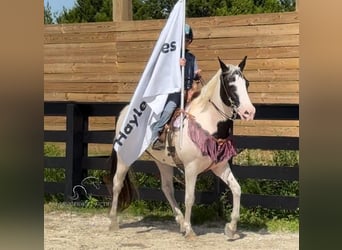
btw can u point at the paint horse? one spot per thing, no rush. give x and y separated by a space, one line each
205 144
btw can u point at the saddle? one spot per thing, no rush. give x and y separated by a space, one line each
169 128
191 94
167 136
218 147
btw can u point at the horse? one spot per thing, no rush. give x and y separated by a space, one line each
205 145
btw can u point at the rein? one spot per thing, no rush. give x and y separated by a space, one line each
223 114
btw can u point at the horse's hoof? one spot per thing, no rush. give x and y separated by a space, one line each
181 229
229 232
190 235
180 222
113 227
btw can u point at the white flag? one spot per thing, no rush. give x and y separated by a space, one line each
161 76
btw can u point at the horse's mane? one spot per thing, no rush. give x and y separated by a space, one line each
206 92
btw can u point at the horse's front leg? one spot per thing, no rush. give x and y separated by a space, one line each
166 173
225 173
190 182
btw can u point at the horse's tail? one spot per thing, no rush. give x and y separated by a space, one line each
128 192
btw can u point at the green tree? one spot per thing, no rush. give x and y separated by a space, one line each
101 10
156 9
48 19
152 9
87 11
239 7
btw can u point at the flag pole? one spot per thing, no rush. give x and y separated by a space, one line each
182 79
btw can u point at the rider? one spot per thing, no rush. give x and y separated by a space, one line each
191 73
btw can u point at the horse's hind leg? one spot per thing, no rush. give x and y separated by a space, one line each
227 176
119 177
166 173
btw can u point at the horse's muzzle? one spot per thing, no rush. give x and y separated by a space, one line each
247 113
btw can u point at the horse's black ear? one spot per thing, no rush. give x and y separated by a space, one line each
223 65
243 63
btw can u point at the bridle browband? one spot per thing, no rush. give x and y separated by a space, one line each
232 103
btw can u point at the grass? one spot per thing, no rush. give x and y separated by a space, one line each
251 219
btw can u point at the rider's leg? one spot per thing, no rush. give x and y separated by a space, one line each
171 104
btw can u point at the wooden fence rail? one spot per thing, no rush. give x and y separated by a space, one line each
103 61
77 162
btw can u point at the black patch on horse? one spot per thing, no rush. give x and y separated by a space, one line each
224 129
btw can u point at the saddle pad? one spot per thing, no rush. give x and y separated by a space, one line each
217 150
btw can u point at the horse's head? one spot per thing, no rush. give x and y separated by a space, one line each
233 91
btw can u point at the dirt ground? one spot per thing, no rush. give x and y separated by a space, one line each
70 230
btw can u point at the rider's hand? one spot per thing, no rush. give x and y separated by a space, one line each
198 75
182 62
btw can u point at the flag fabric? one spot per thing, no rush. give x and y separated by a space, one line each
162 76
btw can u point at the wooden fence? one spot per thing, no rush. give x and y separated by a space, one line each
77 161
102 62
91 70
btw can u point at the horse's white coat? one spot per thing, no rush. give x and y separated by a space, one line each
194 163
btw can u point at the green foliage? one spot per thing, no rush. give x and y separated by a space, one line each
203 213
138 207
48 19
147 180
262 218
269 187
71 207
101 10
53 198
242 7
258 157
52 150
273 220
205 182
159 209
149 208
53 174
152 9
91 202
250 218
286 158
204 8
96 173
87 11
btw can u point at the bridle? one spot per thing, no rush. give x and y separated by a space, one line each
232 103
223 114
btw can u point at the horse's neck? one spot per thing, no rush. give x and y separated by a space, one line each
207 92
205 113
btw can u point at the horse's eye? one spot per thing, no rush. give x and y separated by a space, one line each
231 79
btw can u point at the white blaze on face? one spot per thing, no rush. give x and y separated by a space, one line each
246 110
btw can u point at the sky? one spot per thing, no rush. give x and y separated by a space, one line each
57 5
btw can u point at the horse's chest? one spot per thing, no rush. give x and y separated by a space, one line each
218 129
207 124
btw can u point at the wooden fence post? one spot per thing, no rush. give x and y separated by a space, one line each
74 149
122 10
